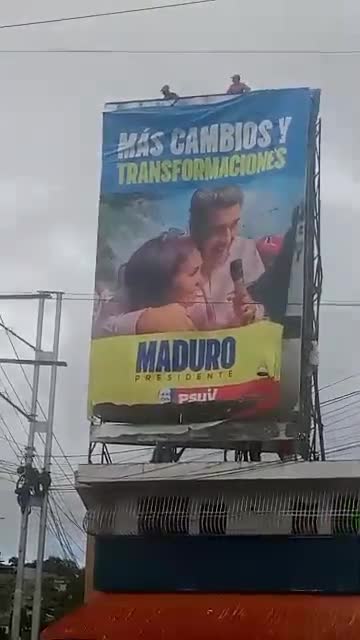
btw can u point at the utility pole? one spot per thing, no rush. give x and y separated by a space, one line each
36 610
42 359
29 453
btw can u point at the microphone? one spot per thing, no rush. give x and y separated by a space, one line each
244 305
237 276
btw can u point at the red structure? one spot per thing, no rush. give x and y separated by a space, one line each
211 617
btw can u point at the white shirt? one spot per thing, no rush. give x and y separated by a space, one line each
218 290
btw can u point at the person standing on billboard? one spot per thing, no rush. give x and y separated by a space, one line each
168 94
214 221
237 87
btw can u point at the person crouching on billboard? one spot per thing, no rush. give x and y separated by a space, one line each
162 279
214 222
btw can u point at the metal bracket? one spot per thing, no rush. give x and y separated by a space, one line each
35 502
40 426
44 355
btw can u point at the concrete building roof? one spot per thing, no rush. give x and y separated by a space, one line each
96 474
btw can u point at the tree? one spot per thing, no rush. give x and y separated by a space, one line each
7 586
55 602
60 567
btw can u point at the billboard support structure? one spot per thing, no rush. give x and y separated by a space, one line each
310 409
317 443
105 457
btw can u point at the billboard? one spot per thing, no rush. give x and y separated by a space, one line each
199 281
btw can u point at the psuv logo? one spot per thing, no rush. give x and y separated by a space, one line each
202 354
196 395
181 396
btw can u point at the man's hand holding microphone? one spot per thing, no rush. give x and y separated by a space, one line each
244 305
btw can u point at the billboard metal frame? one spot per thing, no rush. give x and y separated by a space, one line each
311 444
310 410
317 443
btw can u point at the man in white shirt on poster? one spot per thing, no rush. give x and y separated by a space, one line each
215 216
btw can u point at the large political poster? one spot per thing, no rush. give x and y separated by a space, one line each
200 257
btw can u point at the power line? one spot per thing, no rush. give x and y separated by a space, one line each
336 441
89 16
333 384
65 533
113 453
341 409
70 517
9 463
213 473
73 522
61 529
90 296
277 52
238 470
352 445
336 399
10 440
9 468
44 415
64 544
38 403
20 402
133 449
339 430
354 304
351 305
7 480
22 444
347 412
54 533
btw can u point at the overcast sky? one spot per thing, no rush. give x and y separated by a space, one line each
50 139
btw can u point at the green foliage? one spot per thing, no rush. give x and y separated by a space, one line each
59 567
6 593
62 591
